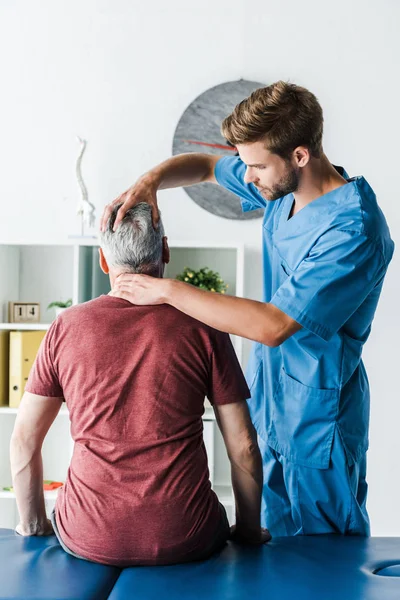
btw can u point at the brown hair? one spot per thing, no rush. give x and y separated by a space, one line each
284 115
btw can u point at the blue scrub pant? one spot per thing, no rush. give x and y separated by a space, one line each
301 500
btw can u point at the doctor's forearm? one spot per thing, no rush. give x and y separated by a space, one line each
250 319
181 170
27 476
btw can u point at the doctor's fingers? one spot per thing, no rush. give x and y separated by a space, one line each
127 199
107 214
141 191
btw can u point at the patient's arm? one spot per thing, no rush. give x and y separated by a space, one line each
35 415
246 467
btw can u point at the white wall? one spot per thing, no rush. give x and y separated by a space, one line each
120 73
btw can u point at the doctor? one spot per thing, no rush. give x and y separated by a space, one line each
326 249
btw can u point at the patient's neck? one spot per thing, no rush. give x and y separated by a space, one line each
158 272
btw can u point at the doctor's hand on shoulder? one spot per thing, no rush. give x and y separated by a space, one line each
144 190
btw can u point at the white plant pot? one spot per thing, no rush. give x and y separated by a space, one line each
59 310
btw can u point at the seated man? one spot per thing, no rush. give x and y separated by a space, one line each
134 380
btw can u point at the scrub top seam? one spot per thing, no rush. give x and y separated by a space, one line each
339 230
271 214
284 260
370 239
346 469
320 330
256 374
341 363
361 205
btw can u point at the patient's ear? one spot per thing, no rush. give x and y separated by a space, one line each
166 253
103 262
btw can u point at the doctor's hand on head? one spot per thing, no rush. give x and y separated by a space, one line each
144 190
141 289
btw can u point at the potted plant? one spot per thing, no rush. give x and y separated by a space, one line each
204 278
60 306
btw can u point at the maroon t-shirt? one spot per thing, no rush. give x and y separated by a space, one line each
134 379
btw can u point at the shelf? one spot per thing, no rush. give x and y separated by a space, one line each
209 414
225 494
48 495
7 410
25 326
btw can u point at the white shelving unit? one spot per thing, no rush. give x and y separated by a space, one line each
44 273
48 495
24 326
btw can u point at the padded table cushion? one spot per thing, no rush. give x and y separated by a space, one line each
299 568
37 567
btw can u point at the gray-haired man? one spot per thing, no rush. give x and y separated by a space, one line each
134 379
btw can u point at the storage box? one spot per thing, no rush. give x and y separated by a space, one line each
4 366
24 346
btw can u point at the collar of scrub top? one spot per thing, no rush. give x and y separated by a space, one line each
315 212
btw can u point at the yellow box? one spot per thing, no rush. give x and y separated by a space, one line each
4 366
24 346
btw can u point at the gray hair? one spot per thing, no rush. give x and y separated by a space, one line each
135 246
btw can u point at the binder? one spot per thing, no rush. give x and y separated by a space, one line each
24 346
4 366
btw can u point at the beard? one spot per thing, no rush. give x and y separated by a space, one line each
288 184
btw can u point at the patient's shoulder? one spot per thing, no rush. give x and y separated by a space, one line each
163 317
188 325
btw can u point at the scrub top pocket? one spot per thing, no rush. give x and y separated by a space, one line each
303 422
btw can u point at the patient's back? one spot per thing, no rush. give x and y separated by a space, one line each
134 379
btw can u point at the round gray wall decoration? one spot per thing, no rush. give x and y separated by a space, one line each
198 130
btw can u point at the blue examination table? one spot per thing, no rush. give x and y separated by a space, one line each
297 568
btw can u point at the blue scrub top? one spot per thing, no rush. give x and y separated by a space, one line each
324 267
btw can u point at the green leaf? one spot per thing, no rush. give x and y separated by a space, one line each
204 278
60 304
